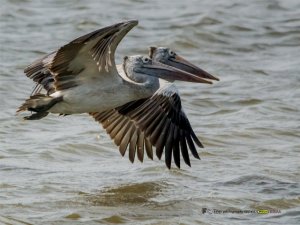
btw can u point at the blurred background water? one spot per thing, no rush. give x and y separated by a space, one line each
66 170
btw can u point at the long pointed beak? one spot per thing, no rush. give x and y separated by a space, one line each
170 73
185 65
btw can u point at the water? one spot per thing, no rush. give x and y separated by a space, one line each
65 170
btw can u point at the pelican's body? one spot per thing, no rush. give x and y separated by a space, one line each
135 101
100 96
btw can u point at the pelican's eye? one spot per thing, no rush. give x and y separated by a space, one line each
171 53
146 60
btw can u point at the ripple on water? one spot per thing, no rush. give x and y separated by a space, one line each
282 203
10 220
265 186
254 180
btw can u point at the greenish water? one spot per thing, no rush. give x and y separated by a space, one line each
66 170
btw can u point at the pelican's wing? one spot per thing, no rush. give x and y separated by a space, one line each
157 121
84 58
39 73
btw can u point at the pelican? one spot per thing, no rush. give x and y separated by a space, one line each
136 109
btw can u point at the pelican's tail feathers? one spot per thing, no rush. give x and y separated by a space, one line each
40 104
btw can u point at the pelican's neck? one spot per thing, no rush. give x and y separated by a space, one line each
138 79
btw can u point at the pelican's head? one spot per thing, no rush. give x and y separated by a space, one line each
140 67
169 57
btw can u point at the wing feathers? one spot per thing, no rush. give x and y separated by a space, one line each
160 143
192 146
184 150
157 131
132 145
148 147
176 150
169 146
119 135
157 121
140 145
93 51
125 141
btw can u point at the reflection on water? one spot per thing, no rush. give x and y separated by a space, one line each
65 170
140 193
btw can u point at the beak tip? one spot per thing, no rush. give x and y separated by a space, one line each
211 77
217 78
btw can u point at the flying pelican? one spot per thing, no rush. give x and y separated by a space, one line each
134 107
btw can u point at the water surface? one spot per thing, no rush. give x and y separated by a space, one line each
66 170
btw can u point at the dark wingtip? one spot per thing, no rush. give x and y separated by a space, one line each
132 22
131 160
122 152
197 156
168 165
159 152
196 140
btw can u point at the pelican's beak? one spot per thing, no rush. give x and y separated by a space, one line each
185 65
171 73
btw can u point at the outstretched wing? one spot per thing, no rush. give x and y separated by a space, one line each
39 73
157 121
84 58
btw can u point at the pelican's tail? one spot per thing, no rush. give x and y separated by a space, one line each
40 104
